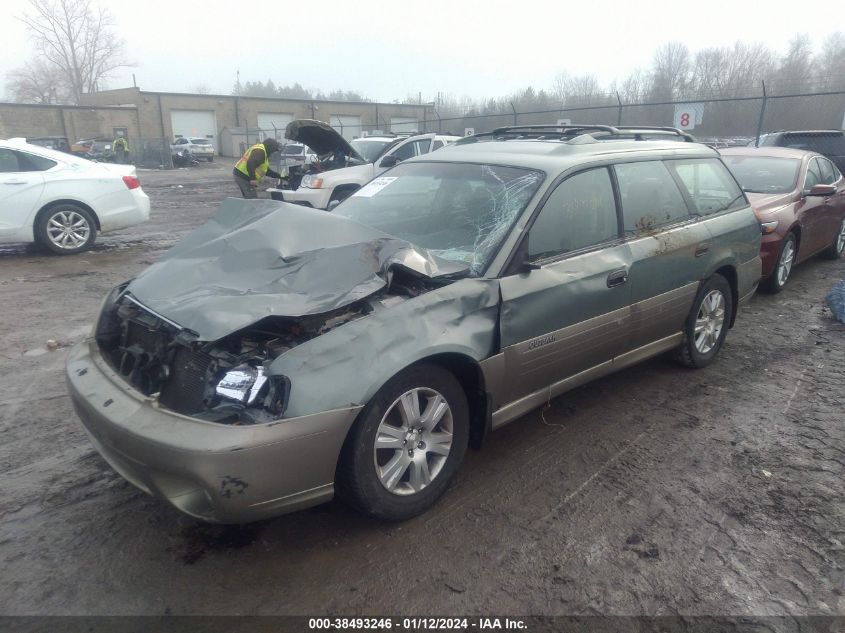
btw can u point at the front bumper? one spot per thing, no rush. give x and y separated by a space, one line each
315 198
215 472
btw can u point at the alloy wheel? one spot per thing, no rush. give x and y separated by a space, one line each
787 257
413 441
68 229
710 321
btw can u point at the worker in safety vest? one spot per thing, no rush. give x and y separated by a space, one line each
121 149
254 165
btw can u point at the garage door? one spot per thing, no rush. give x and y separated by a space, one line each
195 123
267 121
348 125
400 124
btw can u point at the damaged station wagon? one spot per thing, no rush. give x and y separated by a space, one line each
280 355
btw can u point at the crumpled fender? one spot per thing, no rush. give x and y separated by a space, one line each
347 365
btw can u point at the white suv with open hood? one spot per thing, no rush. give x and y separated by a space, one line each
344 166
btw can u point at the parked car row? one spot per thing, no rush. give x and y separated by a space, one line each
360 352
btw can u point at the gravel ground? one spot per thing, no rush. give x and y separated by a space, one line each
658 490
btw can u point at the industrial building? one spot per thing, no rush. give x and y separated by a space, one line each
141 114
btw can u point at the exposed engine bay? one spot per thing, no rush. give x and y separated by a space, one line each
228 380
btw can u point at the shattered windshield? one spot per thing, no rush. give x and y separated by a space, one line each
370 149
460 212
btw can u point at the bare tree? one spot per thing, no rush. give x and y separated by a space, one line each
36 82
582 89
831 63
635 87
78 39
671 67
202 89
795 71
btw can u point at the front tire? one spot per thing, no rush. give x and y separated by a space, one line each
210 159
66 229
783 268
406 445
834 251
707 324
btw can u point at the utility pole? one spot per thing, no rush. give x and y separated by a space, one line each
762 115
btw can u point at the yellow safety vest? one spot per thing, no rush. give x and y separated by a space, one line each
121 141
261 169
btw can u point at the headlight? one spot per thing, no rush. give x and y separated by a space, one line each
247 385
241 384
311 182
766 226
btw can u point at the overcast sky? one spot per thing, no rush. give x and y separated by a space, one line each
388 49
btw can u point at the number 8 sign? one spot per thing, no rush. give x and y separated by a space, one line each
687 115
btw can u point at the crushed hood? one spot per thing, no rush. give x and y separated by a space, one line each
260 258
319 136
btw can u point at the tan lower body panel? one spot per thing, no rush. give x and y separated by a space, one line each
519 407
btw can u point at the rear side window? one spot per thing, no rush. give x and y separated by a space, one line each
709 185
580 212
650 197
14 161
31 162
436 145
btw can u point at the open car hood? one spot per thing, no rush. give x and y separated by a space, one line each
319 136
261 258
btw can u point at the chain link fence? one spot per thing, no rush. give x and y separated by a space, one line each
706 117
151 153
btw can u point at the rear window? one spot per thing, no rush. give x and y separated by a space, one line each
650 197
710 186
15 161
200 141
764 174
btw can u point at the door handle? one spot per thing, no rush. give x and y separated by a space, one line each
702 248
14 182
617 277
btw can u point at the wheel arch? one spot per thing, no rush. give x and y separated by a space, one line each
728 271
468 373
796 229
53 203
347 188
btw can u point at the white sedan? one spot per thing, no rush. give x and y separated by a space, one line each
62 201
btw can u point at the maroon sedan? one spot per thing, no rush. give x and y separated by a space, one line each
799 198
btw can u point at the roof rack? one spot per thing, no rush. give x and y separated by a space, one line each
567 132
645 129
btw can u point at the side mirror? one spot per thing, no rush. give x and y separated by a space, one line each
332 205
389 161
822 190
